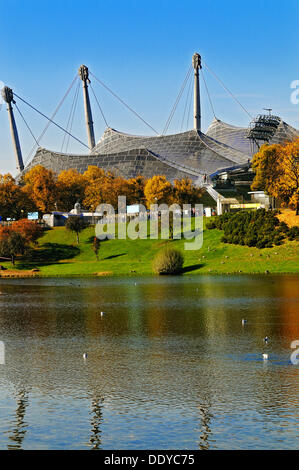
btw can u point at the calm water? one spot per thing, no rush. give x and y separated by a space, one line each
169 366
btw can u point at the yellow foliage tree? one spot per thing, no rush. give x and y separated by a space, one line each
102 187
277 171
134 190
14 203
70 189
40 184
185 192
158 190
287 186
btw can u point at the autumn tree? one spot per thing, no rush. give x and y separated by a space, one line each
288 184
29 229
134 190
12 243
40 184
276 170
70 188
102 187
14 202
158 190
94 177
266 164
185 192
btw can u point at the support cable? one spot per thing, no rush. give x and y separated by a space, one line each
51 121
228 91
125 104
100 108
209 97
70 115
27 125
186 103
72 118
177 101
190 104
52 117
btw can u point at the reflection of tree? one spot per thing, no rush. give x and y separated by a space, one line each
205 429
18 433
97 418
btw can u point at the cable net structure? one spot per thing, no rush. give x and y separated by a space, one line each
190 153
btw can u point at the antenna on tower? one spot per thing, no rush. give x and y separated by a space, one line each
268 109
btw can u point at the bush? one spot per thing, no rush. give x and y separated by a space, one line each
168 261
260 228
293 233
29 229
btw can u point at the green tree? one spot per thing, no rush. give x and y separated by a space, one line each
96 247
12 244
75 224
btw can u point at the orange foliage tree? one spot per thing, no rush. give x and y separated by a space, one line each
40 184
29 229
134 190
70 189
102 187
277 171
158 190
14 203
185 192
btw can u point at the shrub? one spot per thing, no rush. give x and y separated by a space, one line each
260 228
168 261
29 229
293 233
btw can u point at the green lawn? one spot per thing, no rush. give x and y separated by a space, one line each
59 255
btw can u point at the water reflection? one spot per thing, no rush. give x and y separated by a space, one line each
17 434
169 366
205 427
96 420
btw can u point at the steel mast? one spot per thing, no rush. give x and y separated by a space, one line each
196 62
84 75
7 95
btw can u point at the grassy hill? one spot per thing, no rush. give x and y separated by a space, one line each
58 254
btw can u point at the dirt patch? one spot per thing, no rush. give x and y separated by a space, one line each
103 273
15 273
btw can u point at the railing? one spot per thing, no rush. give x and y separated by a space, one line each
7 223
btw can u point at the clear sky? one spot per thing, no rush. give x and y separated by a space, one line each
142 50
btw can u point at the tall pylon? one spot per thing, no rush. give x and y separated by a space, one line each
84 75
7 95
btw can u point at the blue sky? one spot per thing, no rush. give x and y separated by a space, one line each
142 50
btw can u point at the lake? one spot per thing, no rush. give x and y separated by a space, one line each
169 365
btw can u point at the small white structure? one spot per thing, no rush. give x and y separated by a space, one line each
208 211
58 219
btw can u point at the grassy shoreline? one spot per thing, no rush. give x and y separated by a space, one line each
58 255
